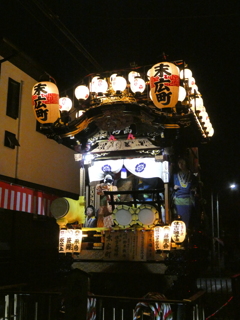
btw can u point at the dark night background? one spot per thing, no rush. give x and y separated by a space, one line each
71 39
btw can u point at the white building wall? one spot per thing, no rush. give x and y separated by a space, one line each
38 159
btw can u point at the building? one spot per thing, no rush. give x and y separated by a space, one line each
34 170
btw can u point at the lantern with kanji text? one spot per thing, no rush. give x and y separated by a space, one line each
178 231
45 102
164 84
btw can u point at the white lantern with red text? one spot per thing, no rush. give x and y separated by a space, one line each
132 75
137 85
178 231
101 86
65 104
164 84
93 84
82 92
45 102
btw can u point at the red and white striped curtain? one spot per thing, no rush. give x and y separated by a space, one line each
19 198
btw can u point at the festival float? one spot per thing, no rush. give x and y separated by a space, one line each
128 128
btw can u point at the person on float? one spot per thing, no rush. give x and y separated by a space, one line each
105 218
91 220
184 185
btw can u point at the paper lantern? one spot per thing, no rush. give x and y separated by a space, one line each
124 173
45 102
158 238
181 94
82 92
101 86
185 74
119 84
164 84
113 77
137 85
166 240
178 231
93 84
70 240
65 104
132 75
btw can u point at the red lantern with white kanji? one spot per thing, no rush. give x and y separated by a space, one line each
45 102
164 84
178 231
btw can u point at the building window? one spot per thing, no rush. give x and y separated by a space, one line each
10 140
13 98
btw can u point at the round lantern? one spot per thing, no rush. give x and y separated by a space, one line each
197 103
132 75
210 130
186 74
119 84
101 86
137 85
191 82
82 92
164 84
178 231
45 102
113 77
194 89
65 104
93 84
182 94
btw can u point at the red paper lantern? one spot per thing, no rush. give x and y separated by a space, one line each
164 84
45 102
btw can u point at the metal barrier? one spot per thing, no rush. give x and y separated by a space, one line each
15 303
125 308
222 297
19 304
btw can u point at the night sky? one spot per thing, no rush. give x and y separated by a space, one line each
72 38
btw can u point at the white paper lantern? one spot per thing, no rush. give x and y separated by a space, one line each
158 238
181 94
101 86
178 231
65 104
82 92
119 84
185 74
166 238
93 84
132 75
137 85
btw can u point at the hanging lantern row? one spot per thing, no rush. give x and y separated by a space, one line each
164 90
196 101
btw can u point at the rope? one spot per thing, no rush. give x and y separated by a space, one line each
224 305
161 311
91 309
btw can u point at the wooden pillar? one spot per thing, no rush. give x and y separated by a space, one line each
167 206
